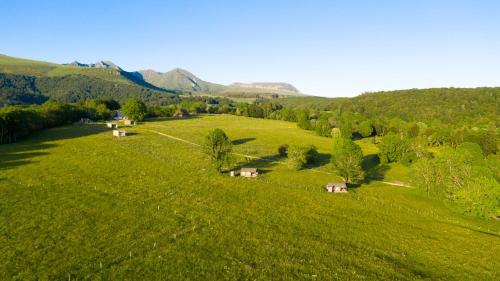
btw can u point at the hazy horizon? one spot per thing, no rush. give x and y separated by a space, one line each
336 49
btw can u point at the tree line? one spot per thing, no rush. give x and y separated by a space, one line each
465 173
19 121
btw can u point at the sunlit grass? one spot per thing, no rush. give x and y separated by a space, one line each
77 202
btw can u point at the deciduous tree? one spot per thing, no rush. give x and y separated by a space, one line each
134 109
218 147
346 160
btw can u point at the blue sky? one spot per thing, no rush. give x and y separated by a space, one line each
327 48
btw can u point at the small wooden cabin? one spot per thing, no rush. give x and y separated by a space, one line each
181 113
249 172
128 122
336 187
112 125
118 133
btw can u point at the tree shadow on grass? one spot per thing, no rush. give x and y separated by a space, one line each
242 141
372 168
129 133
353 185
22 155
321 160
472 229
157 119
68 132
263 164
39 143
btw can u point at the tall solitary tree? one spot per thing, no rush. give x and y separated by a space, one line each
134 109
218 147
346 159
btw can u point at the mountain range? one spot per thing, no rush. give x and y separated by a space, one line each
24 81
182 80
99 64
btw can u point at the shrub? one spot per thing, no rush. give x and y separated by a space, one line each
299 156
311 154
322 128
296 157
283 150
365 129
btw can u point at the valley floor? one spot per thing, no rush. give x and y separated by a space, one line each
77 203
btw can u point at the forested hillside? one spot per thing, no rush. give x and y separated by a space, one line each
23 89
24 82
448 105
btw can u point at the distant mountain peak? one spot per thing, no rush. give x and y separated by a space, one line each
181 79
77 63
99 64
273 86
106 64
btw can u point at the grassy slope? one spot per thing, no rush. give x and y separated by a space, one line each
13 65
76 202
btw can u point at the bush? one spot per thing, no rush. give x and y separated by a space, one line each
283 150
408 158
303 120
296 157
299 156
311 154
322 128
365 129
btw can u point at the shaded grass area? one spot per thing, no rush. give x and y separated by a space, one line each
146 207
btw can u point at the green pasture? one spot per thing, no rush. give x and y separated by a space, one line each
13 65
77 203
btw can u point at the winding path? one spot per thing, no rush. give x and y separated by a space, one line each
265 159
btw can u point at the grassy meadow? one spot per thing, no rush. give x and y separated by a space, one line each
11 65
77 203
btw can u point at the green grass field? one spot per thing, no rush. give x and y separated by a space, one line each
76 203
11 65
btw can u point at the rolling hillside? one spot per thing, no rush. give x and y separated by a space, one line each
11 65
444 104
27 81
179 79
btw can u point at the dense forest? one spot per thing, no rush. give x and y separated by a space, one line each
25 90
447 105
